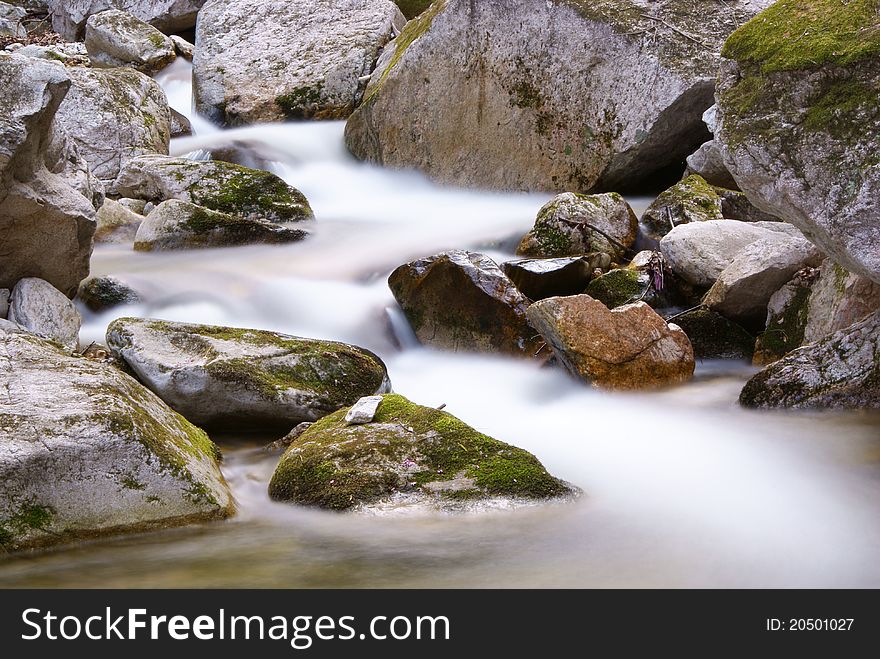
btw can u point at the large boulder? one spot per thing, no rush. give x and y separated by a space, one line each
838 299
12 22
69 16
46 224
406 454
86 451
462 301
548 95
116 38
39 307
799 100
839 371
242 71
246 379
114 115
690 200
627 348
219 186
116 223
574 224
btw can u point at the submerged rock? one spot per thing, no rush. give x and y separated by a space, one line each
117 223
538 279
69 16
116 38
425 455
251 379
715 337
86 451
101 293
575 224
175 224
242 72
462 301
630 347
39 307
690 200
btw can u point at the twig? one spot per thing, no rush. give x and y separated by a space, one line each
699 307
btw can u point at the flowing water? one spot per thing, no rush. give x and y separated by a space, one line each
682 488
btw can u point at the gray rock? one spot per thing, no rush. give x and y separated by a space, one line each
238 378
839 371
839 299
735 205
11 21
363 411
137 206
4 302
708 163
86 451
183 47
242 71
116 223
690 200
175 224
69 16
46 225
546 94
538 279
180 125
39 307
70 54
116 38
102 293
787 313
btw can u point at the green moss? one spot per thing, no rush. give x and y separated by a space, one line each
837 110
307 102
616 288
412 8
157 39
28 518
785 333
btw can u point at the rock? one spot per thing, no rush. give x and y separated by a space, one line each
238 378
46 225
690 200
175 224
838 299
242 71
547 95
4 302
736 206
624 286
69 16
630 347
799 124
412 8
574 224
180 125
216 185
839 371
542 278
86 451
116 38
462 301
11 22
42 309
183 47
715 337
114 115
69 54
280 445
102 293
363 411
409 453
708 163
744 288
117 223
136 206
786 318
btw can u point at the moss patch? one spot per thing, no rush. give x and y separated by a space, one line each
616 288
26 519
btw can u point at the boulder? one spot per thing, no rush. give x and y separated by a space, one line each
116 223
114 115
786 318
46 224
800 126
575 224
542 278
182 47
462 301
715 337
39 307
241 68
838 299
627 348
735 205
11 22
175 224
102 293
223 377
690 200
69 16
86 451
548 95
69 54
116 38
180 125
625 285
838 371
407 454
708 163
216 185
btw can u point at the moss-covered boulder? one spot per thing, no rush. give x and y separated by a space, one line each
116 38
176 224
86 451
623 286
787 314
216 185
245 379
407 454
690 200
102 293
715 337
799 100
538 279
575 224
69 16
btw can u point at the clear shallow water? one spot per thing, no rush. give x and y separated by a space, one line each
682 488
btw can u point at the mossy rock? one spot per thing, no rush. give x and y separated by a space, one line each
408 450
788 312
690 200
619 287
715 337
101 293
412 8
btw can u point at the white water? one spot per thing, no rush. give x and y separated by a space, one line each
682 488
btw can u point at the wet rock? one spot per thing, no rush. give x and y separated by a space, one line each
216 185
787 313
42 309
555 96
462 301
538 279
86 451
69 16
574 224
102 293
363 411
116 38
839 299
242 71
180 125
715 337
838 371
117 223
177 224
410 453
799 125
247 379
690 200
630 347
